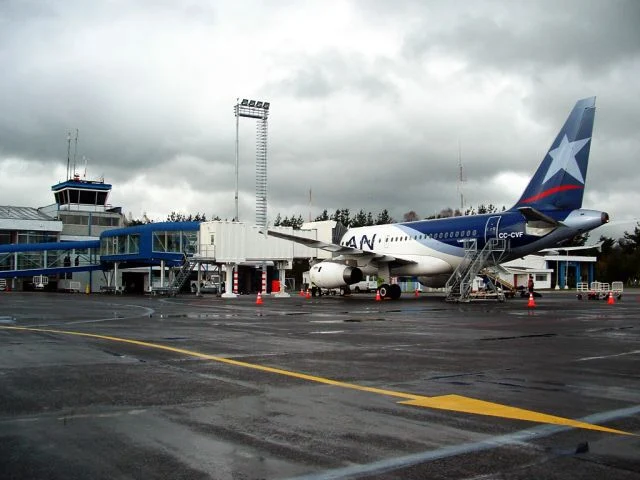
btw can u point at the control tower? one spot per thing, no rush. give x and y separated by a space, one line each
82 207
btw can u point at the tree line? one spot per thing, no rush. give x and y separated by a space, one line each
341 215
367 219
618 260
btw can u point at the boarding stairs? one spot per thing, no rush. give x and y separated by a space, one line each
181 276
460 284
493 273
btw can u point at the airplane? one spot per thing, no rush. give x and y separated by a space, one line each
548 213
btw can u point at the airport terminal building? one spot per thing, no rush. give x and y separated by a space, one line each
81 243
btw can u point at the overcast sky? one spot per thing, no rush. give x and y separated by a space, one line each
370 101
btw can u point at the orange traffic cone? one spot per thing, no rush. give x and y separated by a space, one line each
259 299
417 293
301 292
610 300
308 295
378 298
532 302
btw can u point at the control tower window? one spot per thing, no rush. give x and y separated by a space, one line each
87 197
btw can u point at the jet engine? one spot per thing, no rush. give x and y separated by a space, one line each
435 281
334 275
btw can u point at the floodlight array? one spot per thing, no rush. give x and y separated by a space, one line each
260 111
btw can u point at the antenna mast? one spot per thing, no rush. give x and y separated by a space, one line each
75 151
461 179
68 152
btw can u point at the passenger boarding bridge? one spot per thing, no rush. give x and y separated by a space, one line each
49 258
157 256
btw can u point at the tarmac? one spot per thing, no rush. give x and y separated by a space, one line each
136 387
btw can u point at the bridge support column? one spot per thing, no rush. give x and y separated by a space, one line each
263 279
231 276
116 283
198 293
281 266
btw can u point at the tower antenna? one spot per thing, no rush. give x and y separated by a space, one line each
461 179
75 151
68 152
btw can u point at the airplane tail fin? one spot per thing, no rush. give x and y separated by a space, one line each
559 181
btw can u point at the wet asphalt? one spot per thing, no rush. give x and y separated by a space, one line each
212 388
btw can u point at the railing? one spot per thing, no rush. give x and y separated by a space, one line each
206 251
459 284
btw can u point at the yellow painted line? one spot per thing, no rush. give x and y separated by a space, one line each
455 403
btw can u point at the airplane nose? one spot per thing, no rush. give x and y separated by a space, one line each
604 218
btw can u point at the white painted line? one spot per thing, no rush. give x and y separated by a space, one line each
516 438
585 359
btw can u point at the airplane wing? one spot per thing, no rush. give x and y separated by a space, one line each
313 243
340 250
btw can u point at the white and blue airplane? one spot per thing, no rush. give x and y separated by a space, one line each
547 214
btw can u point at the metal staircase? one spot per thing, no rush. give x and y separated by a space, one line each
181 275
494 272
459 285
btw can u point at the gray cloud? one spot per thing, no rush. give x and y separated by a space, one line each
370 99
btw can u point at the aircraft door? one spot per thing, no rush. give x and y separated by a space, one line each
491 229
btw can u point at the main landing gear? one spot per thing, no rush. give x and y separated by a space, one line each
390 291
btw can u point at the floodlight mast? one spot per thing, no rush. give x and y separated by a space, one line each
260 111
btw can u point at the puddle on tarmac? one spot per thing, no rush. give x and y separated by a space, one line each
365 320
197 316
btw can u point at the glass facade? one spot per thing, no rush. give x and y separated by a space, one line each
6 261
79 196
170 241
80 219
133 243
30 260
189 242
48 259
120 245
105 221
175 241
5 237
27 236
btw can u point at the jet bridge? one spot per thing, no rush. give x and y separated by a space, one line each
233 244
49 259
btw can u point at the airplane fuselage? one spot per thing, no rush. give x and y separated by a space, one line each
438 246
